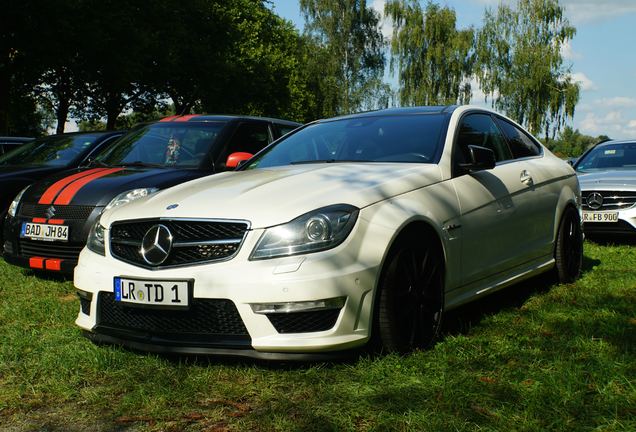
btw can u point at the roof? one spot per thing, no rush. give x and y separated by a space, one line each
215 118
437 109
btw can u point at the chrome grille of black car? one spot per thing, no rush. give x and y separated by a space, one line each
193 241
612 200
66 212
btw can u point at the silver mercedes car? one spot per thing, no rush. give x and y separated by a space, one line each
607 174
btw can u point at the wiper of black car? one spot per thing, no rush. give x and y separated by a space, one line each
140 164
300 162
98 163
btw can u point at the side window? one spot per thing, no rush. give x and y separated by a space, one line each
520 143
285 129
480 130
249 137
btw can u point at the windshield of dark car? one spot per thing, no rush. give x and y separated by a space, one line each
381 138
58 150
609 157
169 144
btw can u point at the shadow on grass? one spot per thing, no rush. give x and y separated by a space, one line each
612 239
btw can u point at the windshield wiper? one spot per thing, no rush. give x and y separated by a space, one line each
98 163
301 162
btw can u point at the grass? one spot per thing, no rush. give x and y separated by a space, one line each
533 357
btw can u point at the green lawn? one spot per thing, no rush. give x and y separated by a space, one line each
533 357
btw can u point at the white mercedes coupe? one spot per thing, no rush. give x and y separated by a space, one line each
348 232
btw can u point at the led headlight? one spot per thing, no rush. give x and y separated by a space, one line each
315 231
95 240
13 208
128 196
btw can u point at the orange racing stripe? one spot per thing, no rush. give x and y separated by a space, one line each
186 117
48 195
169 118
69 192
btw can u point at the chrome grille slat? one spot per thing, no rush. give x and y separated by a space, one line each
194 241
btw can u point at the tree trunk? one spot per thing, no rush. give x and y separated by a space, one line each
61 114
4 101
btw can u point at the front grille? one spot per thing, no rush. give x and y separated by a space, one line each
66 212
204 318
193 242
612 200
34 248
304 322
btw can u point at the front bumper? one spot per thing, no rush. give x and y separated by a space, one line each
230 289
48 256
626 225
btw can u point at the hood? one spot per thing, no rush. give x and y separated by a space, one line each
27 172
272 196
615 179
97 186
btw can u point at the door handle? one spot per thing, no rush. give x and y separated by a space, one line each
526 178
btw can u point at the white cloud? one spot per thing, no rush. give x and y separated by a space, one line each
386 25
612 124
617 102
585 83
588 11
568 53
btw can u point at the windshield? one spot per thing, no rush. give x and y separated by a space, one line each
609 157
58 150
170 144
388 138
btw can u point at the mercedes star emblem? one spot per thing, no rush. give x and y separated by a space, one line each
595 200
50 212
156 245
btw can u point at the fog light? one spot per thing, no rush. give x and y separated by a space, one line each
8 247
85 301
305 306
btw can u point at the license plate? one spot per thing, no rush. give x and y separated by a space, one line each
156 293
600 216
46 232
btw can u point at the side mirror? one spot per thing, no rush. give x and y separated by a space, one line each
481 158
235 159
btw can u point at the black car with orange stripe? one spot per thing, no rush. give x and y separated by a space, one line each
48 222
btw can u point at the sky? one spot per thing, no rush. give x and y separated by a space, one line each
602 56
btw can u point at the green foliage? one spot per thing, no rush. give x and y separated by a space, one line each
519 64
433 58
572 143
348 61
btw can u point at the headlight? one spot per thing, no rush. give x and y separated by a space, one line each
128 196
95 240
315 231
13 208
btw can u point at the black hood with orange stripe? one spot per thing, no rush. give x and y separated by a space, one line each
98 186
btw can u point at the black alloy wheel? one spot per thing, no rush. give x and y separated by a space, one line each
411 296
568 252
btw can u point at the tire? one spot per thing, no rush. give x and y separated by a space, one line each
410 301
568 253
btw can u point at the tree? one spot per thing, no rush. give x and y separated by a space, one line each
351 58
434 60
572 143
519 64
